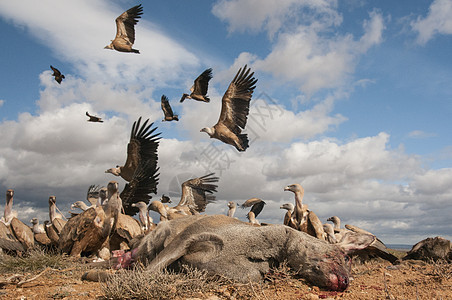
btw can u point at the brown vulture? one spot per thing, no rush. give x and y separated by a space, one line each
125 30
142 148
167 111
57 74
196 194
199 88
234 111
93 118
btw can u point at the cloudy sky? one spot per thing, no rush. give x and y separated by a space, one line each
354 102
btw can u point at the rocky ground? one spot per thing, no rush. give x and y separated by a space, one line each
371 280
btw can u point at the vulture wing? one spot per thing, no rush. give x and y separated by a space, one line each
93 194
202 82
143 183
125 23
197 192
166 107
142 148
257 208
56 72
236 100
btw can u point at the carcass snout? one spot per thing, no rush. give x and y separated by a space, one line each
338 282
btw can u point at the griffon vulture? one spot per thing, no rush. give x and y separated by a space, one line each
9 213
256 205
234 111
289 217
306 220
125 30
167 111
199 88
232 206
57 74
196 194
8 241
142 148
93 118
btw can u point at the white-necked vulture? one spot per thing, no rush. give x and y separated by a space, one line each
232 206
199 88
125 30
142 149
93 118
234 111
167 110
57 74
289 217
9 213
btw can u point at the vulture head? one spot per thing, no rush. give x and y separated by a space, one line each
9 194
334 219
209 130
52 200
288 206
34 221
112 187
115 171
158 207
140 205
232 204
294 188
78 204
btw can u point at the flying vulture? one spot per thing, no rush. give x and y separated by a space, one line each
199 88
256 205
167 111
125 30
142 148
93 118
234 111
58 76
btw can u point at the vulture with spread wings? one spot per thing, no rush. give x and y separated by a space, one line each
142 148
196 193
167 111
125 30
256 205
57 74
93 118
199 88
234 111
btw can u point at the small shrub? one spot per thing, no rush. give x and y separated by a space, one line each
33 260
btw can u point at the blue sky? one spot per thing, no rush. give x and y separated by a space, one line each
360 94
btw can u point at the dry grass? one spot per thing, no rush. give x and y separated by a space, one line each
32 261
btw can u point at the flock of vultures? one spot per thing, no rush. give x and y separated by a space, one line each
104 228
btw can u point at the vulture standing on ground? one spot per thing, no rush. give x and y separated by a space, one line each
196 193
199 88
125 30
306 220
8 241
93 118
9 213
232 207
142 148
40 235
167 111
23 233
57 74
289 217
256 207
234 111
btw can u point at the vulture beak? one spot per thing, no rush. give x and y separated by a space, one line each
287 188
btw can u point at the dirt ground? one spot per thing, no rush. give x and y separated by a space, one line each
374 280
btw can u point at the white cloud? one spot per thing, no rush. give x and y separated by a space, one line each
437 21
419 134
313 61
257 15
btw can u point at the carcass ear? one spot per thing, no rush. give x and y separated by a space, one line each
353 241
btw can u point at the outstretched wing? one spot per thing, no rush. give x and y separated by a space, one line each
202 82
144 182
142 148
257 208
236 100
166 107
197 192
56 72
93 194
125 23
